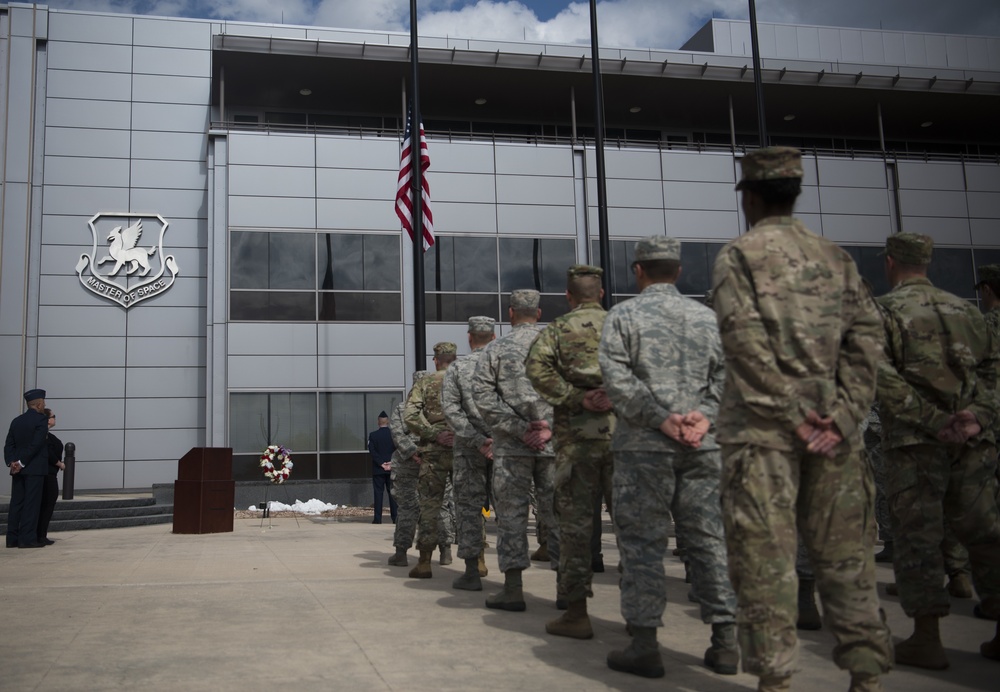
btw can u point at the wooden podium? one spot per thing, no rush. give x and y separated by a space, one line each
204 492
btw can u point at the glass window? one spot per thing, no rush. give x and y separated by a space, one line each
360 307
272 260
359 261
459 307
951 269
461 264
697 261
272 306
871 266
257 420
535 263
346 418
622 279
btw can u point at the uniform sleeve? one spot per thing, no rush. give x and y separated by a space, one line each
454 411
632 400
752 369
405 446
541 368
986 399
712 398
498 414
9 448
413 415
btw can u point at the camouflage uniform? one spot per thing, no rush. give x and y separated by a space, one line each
660 354
471 468
800 333
508 403
872 436
424 418
941 359
562 366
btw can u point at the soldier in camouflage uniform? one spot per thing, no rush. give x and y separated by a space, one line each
802 338
939 406
872 437
521 423
562 366
663 370
473 454
405 472
424 418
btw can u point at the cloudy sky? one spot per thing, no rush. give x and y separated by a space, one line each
622 23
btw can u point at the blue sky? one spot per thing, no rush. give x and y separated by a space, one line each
623 23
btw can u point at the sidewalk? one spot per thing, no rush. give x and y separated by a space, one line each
312 605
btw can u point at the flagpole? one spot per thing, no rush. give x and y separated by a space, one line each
758 81
604 242
419 312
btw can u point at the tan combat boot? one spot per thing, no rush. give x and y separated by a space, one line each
642 657
399 559
772 683
724 655
959 585
574 623
542 554
923 649
423 568
445 555
512 596
865 683
481 564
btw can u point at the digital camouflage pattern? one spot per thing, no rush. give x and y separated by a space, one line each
562 367
508 404
940 358
800 332
405 472
425 419
471 469
872 437
660 354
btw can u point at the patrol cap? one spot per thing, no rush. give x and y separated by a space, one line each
771 163
524 299
583 270
988 273
33 394
444 348
909 248
658 247
419 375
481 324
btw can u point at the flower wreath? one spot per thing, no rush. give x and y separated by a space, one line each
283 456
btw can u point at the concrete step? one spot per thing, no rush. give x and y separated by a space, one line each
81 515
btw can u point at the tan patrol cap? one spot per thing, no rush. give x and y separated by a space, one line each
771 163
910 248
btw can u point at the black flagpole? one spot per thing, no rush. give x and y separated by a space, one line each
757 77
604 244
419 316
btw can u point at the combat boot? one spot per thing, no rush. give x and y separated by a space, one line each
542 554
423 568
642 657
991 649
892 589
884 555
923 649
445 555
573 623
723 656
865 683
512 596
481 564
809 618
772 683
469 581
399 559
959 585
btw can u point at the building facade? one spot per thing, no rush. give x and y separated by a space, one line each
198 241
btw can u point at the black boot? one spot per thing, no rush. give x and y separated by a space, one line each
809 618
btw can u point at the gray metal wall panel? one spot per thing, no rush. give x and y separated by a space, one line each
944 231
930 176
856 228
646 194
985 232
174 382
172 33
360 371
65 199
176 175
100 474
848 200
851 173
189 204
272 150
87 113
113 30
540 160
84 383
445 187
786 42
456 157
702 225
814 222
538 220
12 268
629 222
83 414
895 48
872 47
642 165
159 89
808 42
957 51
187 233
76 170
937 49
100 319
288 372
359 214
454 217
916 49
361 339
172 61
74 352
984 205
65 290
367 154
689 167
257 339
706 196
273 181
186 292
982 177
165 351
166 321
142 474
169 117
74 141
177 146
851 49
529 189
100 86
90 57
273 212
932 203
18 110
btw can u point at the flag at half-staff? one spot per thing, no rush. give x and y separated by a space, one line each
404 187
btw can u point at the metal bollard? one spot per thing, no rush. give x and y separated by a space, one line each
69 475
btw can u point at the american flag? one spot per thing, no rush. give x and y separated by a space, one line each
404 187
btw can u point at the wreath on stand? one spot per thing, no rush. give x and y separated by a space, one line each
276 454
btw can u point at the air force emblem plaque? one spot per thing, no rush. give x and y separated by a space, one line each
127 264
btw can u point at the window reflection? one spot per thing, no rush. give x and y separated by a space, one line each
456 263
535 263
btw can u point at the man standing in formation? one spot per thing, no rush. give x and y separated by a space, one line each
425 419
937 391
562 366
405 475
802 339
473 452
663 371
381 447
27 456
520 422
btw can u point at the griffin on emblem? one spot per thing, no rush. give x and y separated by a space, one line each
124 251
